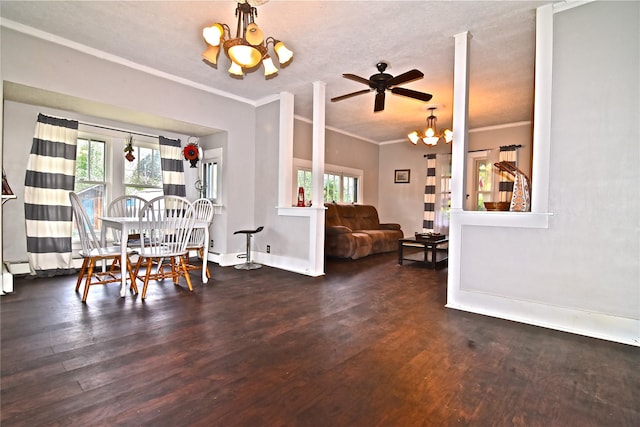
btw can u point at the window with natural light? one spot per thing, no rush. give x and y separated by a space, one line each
341 184
143 176
91 178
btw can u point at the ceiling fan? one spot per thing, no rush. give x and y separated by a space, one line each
383 81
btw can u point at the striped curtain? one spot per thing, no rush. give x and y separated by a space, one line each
429 195
172 167
508 154
50 175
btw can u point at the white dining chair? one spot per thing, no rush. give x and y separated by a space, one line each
92 251
126 206
165 225
203 211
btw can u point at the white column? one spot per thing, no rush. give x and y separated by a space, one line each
458 161
316 226
317 166
460 116
285 154
542 110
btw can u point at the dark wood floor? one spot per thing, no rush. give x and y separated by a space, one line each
369 344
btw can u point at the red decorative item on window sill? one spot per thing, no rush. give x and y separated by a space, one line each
192 153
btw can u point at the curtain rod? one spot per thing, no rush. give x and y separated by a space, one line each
119 130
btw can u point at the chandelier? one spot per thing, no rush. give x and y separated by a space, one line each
430 137
249 48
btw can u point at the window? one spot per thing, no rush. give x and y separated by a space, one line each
211 175
143 176
304 181
91 179
332 188
483 180
349 189
341 185
443 196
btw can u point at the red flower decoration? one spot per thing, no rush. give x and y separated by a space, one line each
191 154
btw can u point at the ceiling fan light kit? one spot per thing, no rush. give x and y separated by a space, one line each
249 48
430 137
382 82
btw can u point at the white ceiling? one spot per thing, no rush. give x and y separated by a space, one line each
328 38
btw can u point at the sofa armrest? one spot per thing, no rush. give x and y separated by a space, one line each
337 229
390 226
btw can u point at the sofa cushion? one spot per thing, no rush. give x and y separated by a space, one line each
349 216
384 240
367 218
363 245
331 215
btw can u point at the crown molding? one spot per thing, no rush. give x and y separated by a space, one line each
340 131
502 126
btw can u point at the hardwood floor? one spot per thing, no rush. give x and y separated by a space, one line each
369 344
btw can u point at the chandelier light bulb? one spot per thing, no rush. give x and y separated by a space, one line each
284 54
243 54
211 54
236 69
254 35
448 136
431 140
213 34
269 68
413 137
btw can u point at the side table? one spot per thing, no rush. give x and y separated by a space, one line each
429 245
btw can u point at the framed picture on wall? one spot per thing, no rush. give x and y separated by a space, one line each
402 176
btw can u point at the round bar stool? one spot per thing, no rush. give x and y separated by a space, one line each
248 264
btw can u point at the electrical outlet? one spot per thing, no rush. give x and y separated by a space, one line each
268 249
211 243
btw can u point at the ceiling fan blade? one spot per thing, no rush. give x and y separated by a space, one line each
412 93
379 105
405 77
356 78
349 95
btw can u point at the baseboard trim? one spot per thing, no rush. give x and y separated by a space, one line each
294 265
579 322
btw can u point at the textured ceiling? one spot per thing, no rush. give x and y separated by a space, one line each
328 38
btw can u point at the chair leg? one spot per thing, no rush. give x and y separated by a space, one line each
175 275
132 277
114 264
83 270
146 277
136 269
186 274
87 283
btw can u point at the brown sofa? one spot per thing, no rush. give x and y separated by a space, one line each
354 231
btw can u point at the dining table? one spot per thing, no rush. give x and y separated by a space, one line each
124 224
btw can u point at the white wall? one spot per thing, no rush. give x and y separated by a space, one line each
581 272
